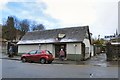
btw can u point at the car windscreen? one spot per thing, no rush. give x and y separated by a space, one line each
32 52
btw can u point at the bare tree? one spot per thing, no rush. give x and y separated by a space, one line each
39 27
24 25
16 23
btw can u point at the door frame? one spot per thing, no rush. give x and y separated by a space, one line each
58 46
83 51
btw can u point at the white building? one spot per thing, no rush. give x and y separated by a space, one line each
75 41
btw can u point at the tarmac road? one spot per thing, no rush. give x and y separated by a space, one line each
17 69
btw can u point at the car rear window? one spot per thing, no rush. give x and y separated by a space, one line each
48 52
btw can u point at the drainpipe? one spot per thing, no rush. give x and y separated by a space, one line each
39 46
94 49
75 52
45 45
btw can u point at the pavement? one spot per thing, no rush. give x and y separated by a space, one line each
98 60
56 61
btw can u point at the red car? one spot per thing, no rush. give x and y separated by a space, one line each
43 56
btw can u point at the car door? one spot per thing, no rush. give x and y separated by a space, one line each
36 56
32 55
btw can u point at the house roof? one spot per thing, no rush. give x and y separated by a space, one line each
72 34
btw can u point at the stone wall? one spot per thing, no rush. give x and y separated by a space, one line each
113 51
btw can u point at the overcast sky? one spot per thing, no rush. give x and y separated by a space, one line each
100 15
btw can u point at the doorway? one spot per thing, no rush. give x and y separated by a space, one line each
58 47
83 51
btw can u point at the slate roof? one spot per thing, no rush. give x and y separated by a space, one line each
72 34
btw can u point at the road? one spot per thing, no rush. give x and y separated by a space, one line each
17 69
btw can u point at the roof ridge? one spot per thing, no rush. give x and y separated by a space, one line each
60 28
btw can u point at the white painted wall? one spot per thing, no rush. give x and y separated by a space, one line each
70 47
87 45
27 48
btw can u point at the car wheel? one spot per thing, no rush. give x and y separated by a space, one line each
42 61
24 59
49 62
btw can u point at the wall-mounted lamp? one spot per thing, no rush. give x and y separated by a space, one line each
75 45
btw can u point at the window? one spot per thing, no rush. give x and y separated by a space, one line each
48 52
38 52
33 52
61 35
